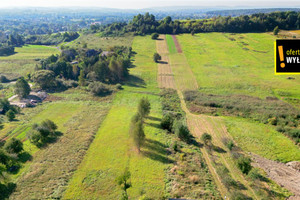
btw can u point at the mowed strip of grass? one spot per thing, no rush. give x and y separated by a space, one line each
46 175
262 139
184 77
113 150
95 41
31 52
171 44
225 63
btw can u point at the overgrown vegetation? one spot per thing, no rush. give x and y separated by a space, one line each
52 39
269 111
11 157
87 66
189 177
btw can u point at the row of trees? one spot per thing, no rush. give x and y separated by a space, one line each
137 123
261 22
52 39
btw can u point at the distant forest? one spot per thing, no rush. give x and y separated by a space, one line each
40 21
147 24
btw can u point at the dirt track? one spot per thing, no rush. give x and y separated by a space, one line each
178 47
165 76
282 174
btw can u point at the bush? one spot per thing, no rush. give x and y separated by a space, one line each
3 79
156 57
119 86
255 175
22 88
228 143
70 83
244 164
229 182
44 78
154 36
206 138
295 133
181 130
276 30
10 115
99 89
43 133
167 122
144 107
14 146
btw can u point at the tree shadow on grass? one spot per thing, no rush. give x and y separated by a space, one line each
192 141
218 149
274 193
162 62
155 156
135 81
155 125
240 186
154 118
156 150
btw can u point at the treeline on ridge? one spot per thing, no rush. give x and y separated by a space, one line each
147 24
8 43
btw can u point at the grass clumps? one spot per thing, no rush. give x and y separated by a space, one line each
189 177
173 119
269 111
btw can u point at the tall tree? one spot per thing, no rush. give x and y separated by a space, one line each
276 30
22 88
81 78
144 107
14 146
138 135
44 78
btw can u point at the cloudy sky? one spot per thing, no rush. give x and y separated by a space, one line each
135 4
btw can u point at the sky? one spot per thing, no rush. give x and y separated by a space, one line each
138 4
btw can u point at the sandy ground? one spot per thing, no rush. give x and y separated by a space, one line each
165 76
284 175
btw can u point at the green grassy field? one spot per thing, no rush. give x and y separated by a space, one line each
112 150
94 41
244 65
30 52
78 121
171 44
214 68
226 63
262 139
23 61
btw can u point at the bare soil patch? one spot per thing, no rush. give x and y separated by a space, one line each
178 47
165 76
284 175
